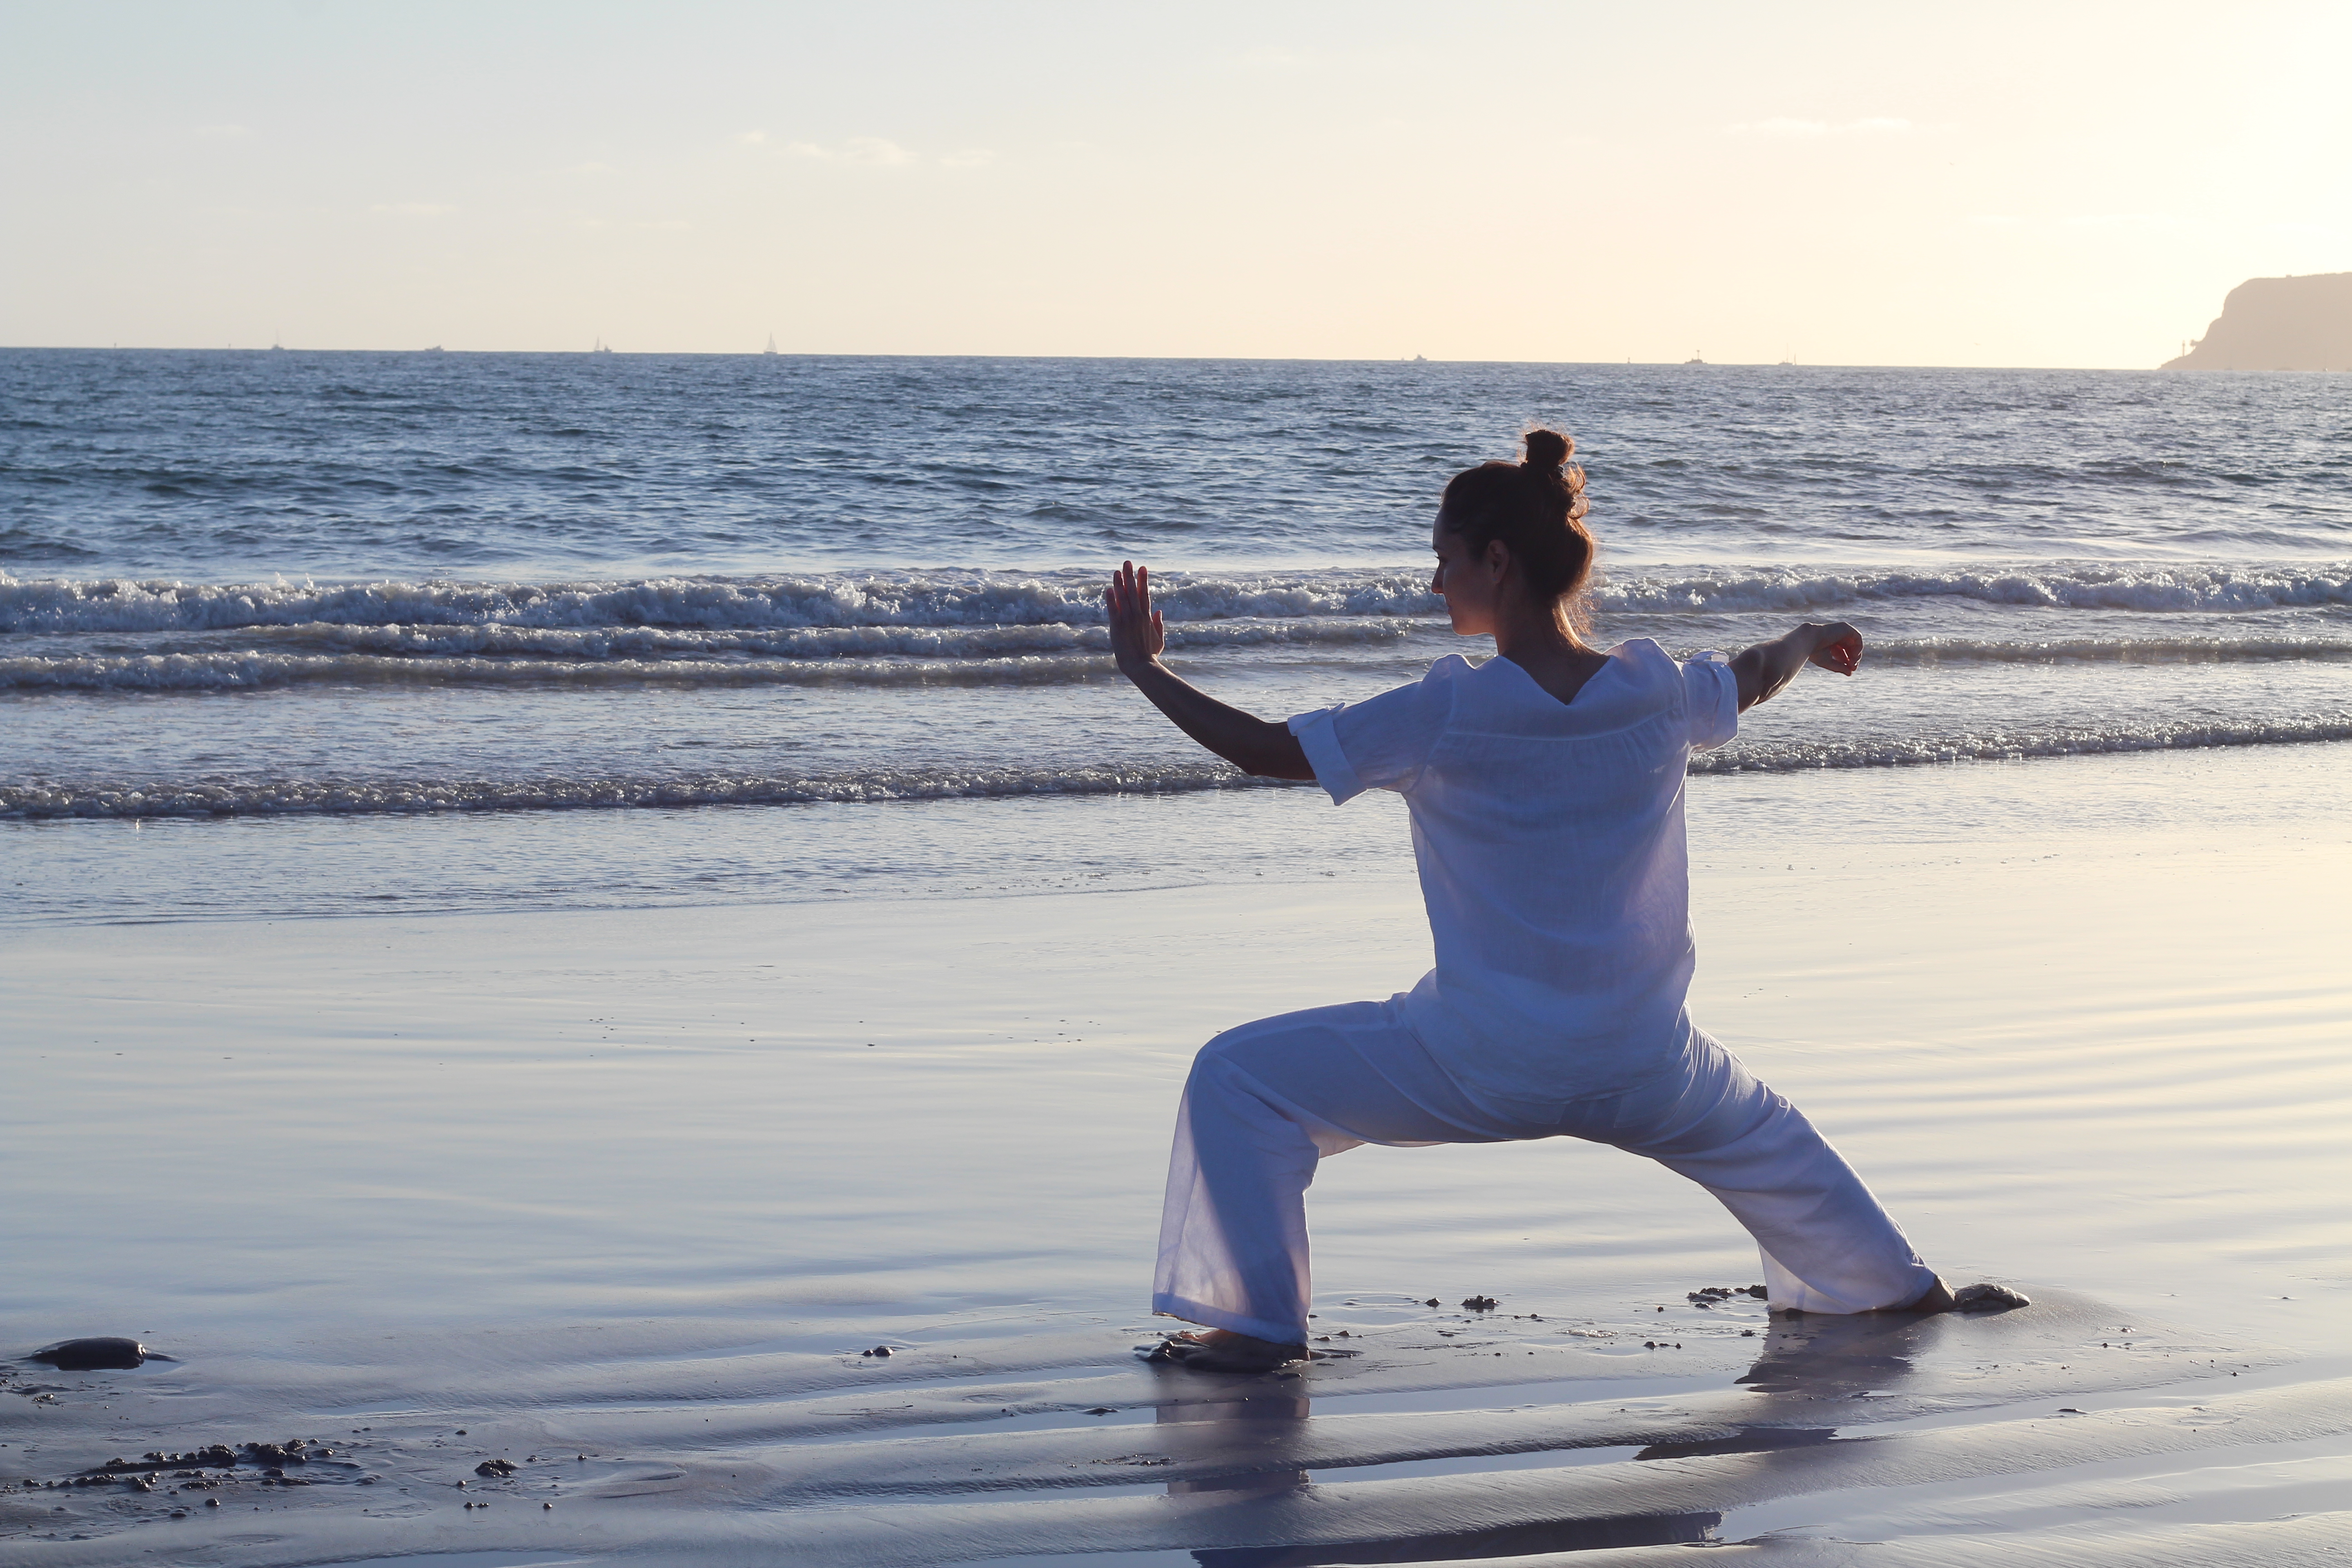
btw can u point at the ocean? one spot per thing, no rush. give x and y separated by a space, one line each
248 588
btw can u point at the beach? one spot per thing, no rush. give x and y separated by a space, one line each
559 906
622 1195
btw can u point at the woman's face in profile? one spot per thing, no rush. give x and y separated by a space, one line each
1468 584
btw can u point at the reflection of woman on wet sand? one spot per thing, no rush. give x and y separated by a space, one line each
1546 792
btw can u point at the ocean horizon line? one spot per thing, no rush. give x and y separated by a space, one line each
1127 358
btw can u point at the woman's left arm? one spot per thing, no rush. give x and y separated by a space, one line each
1764 669
1253 744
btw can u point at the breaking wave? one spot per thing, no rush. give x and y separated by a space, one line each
362 796
1001 600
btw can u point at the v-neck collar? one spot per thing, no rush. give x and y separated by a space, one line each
1609 655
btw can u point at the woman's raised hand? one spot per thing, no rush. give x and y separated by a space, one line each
1838 649
1136 634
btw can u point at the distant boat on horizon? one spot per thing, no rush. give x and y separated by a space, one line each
434 350
1694 358
601 347
771 344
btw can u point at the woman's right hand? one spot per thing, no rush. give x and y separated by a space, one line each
1137 636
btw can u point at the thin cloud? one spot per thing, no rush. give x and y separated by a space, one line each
871 152
2124 220
865 151
1787 129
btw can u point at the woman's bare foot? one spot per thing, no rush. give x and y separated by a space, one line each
1989 1299
1942 1298
1222 1350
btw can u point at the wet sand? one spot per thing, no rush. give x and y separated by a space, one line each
620 1197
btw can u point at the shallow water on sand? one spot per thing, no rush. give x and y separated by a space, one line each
623 1193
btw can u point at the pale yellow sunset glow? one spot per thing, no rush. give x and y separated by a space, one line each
1829 183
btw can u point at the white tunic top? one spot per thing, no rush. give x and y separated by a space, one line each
1551 842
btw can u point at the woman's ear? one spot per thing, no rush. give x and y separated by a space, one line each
1498 559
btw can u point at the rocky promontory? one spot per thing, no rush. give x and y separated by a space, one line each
2278 323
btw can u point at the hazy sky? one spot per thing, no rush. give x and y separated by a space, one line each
2050 184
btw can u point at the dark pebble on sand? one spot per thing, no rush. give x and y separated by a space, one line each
878 1350
1478 1303
211 1502
495 1468
103 1354
1431 1302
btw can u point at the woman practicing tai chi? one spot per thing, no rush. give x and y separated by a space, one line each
1546 792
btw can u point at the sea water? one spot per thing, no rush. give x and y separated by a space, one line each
251 590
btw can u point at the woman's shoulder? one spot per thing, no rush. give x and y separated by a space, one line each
1642 653
1449 671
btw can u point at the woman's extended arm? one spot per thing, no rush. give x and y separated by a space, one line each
1763 670
1253 744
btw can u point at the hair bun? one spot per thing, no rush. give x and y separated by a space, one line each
1548 449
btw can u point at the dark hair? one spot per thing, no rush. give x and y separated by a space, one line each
1536 508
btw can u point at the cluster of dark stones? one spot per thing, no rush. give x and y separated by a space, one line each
1710 1295
187 1469
1478 1303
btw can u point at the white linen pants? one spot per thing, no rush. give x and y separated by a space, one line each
1265 1102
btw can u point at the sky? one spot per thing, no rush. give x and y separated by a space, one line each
2038 185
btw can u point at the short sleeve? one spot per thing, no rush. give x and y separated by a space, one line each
1711 698
1381 743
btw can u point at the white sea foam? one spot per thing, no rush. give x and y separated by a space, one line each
996 599
497 638
853 600
1993 744
143 798
552 660
363 796
250 671
2177 649
2065 586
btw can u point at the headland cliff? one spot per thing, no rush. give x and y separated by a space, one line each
2278 323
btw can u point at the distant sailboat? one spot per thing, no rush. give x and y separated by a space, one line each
601 348
771 344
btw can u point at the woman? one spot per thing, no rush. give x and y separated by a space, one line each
1546 792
